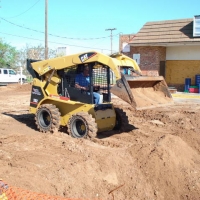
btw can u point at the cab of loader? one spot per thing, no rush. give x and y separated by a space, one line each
99 76
100 79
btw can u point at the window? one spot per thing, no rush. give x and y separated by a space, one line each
5 71
12 72
125 47
196 26
136 57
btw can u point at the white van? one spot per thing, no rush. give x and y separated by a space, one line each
10 76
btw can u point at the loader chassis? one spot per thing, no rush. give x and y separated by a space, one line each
72 107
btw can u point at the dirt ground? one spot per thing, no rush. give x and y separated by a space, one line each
158 158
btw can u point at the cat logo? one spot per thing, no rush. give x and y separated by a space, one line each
86 56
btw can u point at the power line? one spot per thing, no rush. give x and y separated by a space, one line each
54 42
55 35
25 10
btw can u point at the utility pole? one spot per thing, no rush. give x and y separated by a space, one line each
111 30
46 29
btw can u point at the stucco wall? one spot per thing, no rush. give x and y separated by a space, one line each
183 53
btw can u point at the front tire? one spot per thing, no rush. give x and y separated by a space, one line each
47 118
82 125
23 81
121 120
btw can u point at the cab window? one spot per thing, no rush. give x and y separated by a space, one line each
5 71
12 72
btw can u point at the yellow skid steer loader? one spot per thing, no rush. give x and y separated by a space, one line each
59 99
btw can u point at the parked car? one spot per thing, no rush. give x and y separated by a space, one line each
10 76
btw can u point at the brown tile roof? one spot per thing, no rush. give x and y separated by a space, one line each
165 33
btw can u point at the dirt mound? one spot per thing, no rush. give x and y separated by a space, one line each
24 87
157 158
19 87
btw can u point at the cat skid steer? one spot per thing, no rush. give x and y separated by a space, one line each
57 101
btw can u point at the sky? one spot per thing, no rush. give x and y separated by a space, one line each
80 25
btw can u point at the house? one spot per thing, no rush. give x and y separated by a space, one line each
168 48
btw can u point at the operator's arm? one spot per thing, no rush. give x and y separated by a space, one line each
78 83
80 87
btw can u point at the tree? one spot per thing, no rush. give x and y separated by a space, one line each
8 55
30 52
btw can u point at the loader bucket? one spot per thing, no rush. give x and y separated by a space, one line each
143 92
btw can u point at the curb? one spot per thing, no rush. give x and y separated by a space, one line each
188 96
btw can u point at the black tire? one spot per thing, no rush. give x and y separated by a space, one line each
47 118
23 81
82 125
122 121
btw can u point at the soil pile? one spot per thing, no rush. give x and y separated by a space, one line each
16 87
157 158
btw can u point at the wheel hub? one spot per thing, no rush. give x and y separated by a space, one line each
46 118
83 128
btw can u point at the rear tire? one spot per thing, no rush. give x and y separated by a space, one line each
47 118
121 120
82 125
23 81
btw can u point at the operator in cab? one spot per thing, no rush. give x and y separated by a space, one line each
82 81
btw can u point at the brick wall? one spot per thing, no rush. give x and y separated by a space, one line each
150 58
